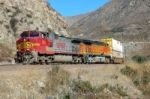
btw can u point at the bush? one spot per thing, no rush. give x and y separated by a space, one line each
119 29
13 23
139 59
145 78
128 71
56 78
82 87
86 90
5 52
119 90
139 76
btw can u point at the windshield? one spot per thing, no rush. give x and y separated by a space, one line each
24 34
34 34
29 34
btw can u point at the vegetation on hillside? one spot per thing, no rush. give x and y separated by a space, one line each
6 53
56 84
139 58
139 74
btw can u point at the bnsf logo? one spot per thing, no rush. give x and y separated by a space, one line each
25 45
28 45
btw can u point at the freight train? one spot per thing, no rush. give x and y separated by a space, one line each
44 48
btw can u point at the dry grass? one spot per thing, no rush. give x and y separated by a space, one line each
67 83
141 68
55 79
6 53
101 75
141 78
32 84
22 85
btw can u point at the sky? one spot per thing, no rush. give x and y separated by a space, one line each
76 7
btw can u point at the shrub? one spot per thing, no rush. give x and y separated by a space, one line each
139 76
82 87
29 15
5 52
84 90
114 89
87 91
30 22
56 78
136 81
55 68
119 29
145 78
139 58
67 96
128 71
13 23
119 90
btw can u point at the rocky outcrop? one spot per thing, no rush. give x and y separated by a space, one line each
126 20
20 15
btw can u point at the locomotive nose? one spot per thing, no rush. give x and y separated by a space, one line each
27 45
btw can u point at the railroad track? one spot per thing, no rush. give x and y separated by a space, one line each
20 67
7 64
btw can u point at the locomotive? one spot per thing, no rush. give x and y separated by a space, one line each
44 48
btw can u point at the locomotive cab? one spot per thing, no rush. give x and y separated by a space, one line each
33 40
26 40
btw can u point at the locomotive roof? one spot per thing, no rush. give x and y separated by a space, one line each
74 40
77 40
34 31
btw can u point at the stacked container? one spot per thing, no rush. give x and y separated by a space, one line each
116 47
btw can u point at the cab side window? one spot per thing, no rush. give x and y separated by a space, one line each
24 34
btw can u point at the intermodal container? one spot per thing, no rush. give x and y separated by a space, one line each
116 47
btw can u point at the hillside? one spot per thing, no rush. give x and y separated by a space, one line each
73 19
17 16
126 20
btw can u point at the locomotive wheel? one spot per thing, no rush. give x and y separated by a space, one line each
46 62
26 60
41 60
80 61
74 60
107 61
112 61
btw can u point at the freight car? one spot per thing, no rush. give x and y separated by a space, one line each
44 47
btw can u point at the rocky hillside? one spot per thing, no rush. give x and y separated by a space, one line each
20 15
73 19
127 20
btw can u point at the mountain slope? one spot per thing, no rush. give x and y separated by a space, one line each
73 19
122 19
17 16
